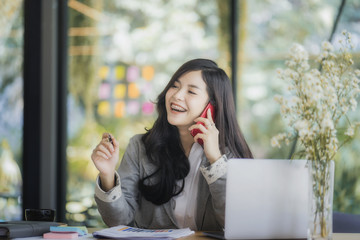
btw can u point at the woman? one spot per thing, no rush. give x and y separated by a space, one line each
166 179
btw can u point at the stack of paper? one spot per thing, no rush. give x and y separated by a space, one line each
127 232
66 232
81 230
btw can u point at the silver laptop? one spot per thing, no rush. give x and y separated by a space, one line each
266 199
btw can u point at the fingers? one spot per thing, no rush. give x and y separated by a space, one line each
203 124
114 142
98 154
207 130
199 126
208 121
106 147
206 137
199 136
209 117
107 137
110 141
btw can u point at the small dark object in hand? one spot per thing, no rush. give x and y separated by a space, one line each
110 139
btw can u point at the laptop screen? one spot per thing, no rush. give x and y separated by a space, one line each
266 199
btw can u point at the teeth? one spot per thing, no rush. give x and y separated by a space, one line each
177 108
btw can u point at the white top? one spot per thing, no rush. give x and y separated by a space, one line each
185 207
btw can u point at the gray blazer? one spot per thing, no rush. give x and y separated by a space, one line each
130 208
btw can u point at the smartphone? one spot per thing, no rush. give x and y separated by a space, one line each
204 115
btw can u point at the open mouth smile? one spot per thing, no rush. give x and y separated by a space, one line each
177 108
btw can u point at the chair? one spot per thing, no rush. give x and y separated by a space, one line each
346 223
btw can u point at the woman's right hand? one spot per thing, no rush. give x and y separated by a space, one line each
105 157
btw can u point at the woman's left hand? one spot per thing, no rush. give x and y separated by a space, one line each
209 135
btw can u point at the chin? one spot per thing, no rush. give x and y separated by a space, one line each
173 123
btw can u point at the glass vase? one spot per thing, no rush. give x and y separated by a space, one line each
321 190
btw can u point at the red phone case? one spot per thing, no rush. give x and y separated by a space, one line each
204 115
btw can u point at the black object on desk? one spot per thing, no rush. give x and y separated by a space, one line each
17 229
45 215
346 223
217 235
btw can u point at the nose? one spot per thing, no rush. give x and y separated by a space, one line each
179 94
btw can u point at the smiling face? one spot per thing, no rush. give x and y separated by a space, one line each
186 99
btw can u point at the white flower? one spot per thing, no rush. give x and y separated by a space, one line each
332 146
284 109
275 141
357 72
327 46
279 99
324 55
290 63
345 109
289 73
328 65
350 131
315 72
304 66
303 128
353 104
295 100
298 53
327 123
290 88
349 35
317 100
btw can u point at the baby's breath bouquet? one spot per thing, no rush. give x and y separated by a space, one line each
316 100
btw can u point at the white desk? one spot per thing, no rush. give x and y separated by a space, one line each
200 236
336 236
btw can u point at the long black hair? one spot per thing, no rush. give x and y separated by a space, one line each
162 141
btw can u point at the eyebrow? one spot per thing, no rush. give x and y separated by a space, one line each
190 85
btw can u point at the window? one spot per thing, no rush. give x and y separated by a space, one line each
11 108
268 31
121 55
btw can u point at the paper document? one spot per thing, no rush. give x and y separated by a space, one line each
127 232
